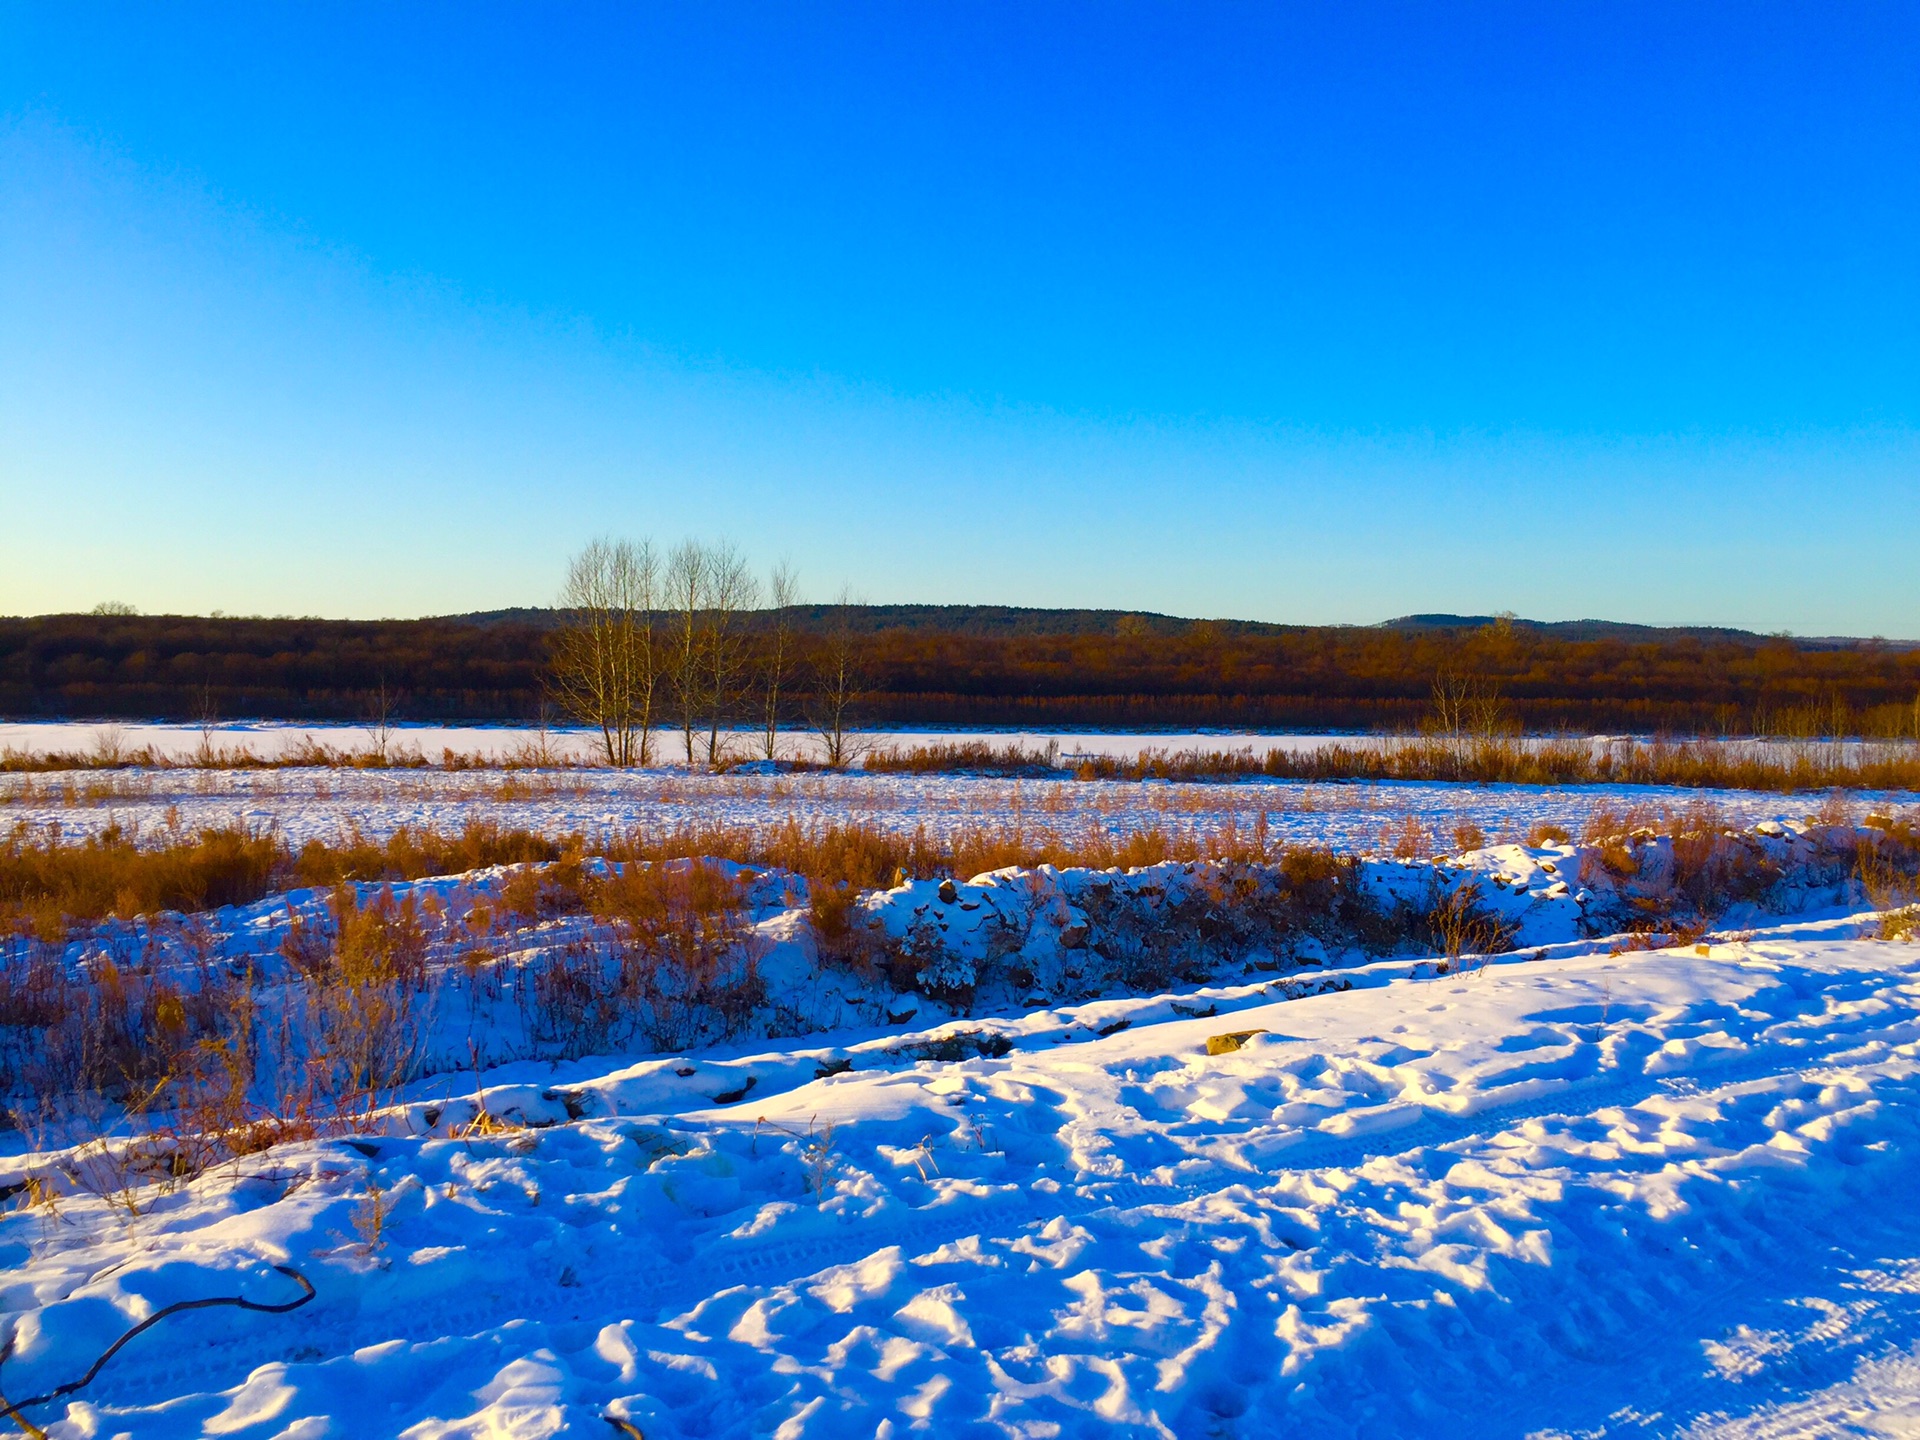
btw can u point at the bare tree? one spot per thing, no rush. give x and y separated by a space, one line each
1452 694
605 657
207 754
687 584
731 589
776 656
381 705
1466 708
839 684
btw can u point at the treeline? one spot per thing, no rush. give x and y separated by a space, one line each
191 667
1153 673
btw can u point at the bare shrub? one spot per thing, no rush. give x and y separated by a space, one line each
678 959
1230 910
540 751
382 707
1713 868
1605 823
110 1028
683 946
236 1093
842 935
1460 922
360 1020
817 1160
1142 945
571 1003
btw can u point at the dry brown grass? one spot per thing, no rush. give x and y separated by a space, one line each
1460 923
680 961
48 883
1711 866
1468 836
972 757
306 753
196 1068
111 874
1689 764
539 751
868 856
111 1028
683 946
1887 866
1407 840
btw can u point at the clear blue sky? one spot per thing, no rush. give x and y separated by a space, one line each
1308 313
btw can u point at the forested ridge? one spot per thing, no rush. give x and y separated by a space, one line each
993 666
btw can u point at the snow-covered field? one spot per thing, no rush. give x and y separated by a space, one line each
326 803
1579 1194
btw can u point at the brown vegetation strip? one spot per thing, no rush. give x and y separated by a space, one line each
1778 767
48 882
1695 764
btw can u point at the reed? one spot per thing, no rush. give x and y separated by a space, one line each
1799 766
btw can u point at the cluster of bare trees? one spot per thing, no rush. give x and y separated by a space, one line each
653 641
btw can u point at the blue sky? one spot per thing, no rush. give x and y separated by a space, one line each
1322 313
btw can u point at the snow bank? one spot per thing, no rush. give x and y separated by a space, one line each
1014 940
1581 1194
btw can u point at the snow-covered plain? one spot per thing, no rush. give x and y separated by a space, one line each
1571 1194
310 803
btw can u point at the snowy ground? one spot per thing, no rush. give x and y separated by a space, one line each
326 803
1659 1193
